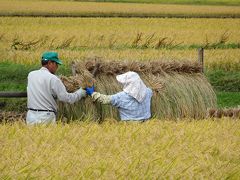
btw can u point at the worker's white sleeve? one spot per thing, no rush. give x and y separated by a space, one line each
59 91
104 99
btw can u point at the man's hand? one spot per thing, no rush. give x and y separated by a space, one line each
90 90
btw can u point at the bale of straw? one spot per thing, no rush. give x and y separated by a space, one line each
179 89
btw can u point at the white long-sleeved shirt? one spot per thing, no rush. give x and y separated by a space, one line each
44 88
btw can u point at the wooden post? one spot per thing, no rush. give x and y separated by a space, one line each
95 70
13 94
73 68
201 58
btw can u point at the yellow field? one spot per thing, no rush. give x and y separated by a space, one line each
156 149
71 8
115 39
224 59
89 31
203 149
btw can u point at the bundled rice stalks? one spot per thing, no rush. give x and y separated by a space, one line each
180 90
228 112
6 116
151 67
82 110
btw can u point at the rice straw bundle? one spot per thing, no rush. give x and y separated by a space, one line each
179 89
227 112
11 116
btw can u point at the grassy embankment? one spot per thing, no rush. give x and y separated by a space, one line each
108 9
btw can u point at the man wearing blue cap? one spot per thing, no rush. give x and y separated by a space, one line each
44 88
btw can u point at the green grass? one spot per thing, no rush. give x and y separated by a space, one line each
224 80
228 99
13 77
227 86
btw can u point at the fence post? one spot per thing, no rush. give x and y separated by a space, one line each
73 68
201 58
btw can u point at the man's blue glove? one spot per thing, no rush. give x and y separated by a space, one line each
90 90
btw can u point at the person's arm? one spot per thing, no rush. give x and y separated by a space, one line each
60 91
116 99
104 99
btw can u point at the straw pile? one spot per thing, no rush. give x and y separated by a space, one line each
180 89
227 112
11 116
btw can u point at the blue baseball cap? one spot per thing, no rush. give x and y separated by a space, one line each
51 56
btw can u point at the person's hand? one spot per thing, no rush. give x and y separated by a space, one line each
90 90
82 92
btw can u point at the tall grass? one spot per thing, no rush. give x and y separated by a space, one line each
156 149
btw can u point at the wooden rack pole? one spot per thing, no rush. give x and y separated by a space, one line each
201 58
13 94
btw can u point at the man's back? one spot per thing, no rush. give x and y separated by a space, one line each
44 88
39 91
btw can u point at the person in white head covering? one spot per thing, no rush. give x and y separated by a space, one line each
133 103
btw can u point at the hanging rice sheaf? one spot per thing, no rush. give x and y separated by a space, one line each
179 88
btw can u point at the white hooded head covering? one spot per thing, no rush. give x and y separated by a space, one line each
133 85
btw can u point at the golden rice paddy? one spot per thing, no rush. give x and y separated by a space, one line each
156 149
187 149
96 9
120 39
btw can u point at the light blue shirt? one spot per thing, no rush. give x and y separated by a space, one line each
129 108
